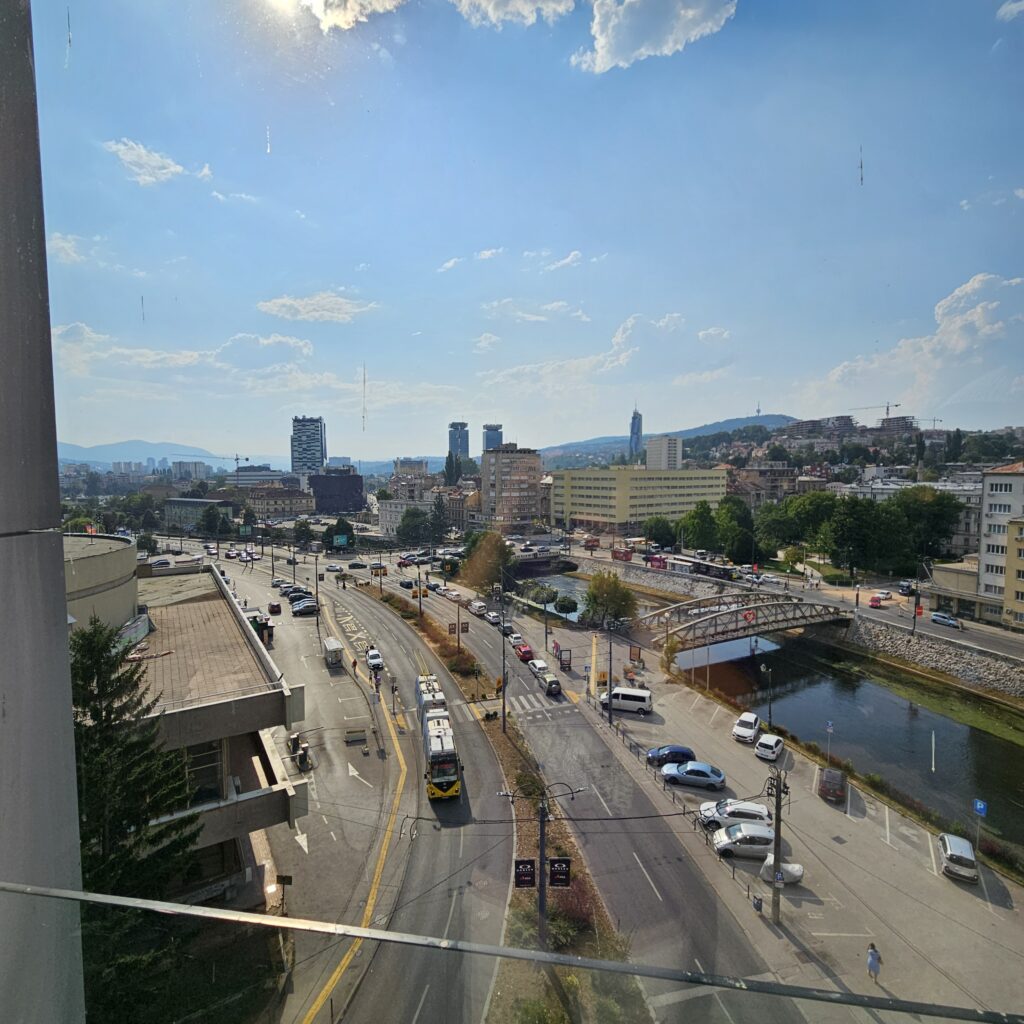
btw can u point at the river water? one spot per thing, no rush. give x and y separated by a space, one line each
884 722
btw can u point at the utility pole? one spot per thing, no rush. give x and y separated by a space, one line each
768 669
777 785
504 681
610 720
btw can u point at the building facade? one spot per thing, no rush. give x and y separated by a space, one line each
776 479
281 503
1002 498
664 452
636 435
509 489
458 439
100 579
185 513
620 499
1013 599
410 467
189 471
391 510
309 444
337 492
493 436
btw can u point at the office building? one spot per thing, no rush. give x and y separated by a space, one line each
620 499
493 436
185 513
509 489
281 503
339 460
338 490
458 439
309 444
636 435
663 452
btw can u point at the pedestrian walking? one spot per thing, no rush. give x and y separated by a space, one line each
245 602
874 962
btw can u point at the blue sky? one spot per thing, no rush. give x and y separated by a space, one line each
529 211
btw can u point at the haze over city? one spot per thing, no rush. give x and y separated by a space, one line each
743 206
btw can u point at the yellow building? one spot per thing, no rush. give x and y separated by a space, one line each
620 499
1013 597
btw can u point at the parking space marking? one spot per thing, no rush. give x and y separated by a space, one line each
718 707
696 701
984 889
931 853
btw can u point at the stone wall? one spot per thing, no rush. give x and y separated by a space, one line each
683 584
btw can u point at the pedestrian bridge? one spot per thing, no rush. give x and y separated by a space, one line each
711 620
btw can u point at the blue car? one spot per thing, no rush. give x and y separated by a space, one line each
694 773
671 753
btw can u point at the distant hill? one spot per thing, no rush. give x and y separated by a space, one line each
102 455
598 449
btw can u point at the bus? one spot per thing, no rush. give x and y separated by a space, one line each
703 567
443 772
429 694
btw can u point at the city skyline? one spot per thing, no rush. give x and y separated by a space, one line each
810 243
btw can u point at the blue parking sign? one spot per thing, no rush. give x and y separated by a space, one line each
980 808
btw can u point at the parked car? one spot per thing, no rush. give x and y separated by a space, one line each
515 639
374 659
538 666
549 684
434 586
832 785
906 590
746 727
309 608
670 753
291 561
769 747
277 583
744 841
942 619
874 601
274 607
161 563
507 628
404 563
524 652
694 773
726 813
956 856
406 584
884 595
357 565
493 618
333 567
377 565
298 595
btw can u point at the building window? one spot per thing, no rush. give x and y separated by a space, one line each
1000 488
995 549
1018 595
998 528
991 588
997 508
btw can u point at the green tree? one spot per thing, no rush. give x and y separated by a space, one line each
414 527
699 527
778 454
954 445
734 524
452 470
608 598
210 521
248 516
543 594
78 524
931 519
468 467
383 494
566 604
135 840
487 561
302 533
149 520
438 520
146 542
847 536
659 530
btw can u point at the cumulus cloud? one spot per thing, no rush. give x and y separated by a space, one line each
568 261
713 334
489 254
205 174
448 264
64 248
625 31
509 308
1019 193
345 14
700 377
300 345
669 322
485 342
145 166
523 12
322 306
1010 10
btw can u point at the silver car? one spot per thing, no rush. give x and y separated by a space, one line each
754 841
719 814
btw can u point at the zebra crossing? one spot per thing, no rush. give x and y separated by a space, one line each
519 703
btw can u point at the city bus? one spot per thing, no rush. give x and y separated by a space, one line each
443 773
703 567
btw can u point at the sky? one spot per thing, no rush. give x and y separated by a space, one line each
532 212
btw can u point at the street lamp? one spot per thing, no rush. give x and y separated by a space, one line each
767 668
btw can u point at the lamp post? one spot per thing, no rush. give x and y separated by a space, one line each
610 720
504 681
419 589
768 669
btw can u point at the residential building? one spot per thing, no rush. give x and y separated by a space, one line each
458 439
456 500
309 444
391 510
411 467
412 487
338 490
636 435
1013 599
776 479
281 503
663 452
256 476
339 460
621 498
190 471
493 436
1002 503
836 427
185 513
509 489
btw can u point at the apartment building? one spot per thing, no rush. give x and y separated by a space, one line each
663 452
391 510
309 444
621 498
1002 504
1013 599
281 503
509 489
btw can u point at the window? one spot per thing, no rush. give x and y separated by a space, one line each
1018 595
1000 488
997 528
991 588
996 508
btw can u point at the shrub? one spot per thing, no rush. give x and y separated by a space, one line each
529 785
561 931
607 1011
463 663
813 748
576 904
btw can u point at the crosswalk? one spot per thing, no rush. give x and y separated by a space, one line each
518 703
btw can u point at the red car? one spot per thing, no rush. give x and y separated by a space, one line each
875 602
525 652
274 607
403 563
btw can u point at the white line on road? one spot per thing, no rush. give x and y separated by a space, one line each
843 935
648 877
718 707
324 816
448 923
597 793
718 998
931 851
462 836
333 836
416 1015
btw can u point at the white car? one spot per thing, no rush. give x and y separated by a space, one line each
538 667
718 814
746 728
332 568
374 660
515 639
883 595
744 841
493 618
769 747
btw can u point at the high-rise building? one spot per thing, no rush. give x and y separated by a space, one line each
663 452
458 439
339 460
492 436
509 488
309 444
636 435
1002 496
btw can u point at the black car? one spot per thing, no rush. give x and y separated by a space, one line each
507 629
433 586
298 595
406 584
357 565
291 561
671 753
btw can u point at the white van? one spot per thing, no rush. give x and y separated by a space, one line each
956 856
627 698
477 607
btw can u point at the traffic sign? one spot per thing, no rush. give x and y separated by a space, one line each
828 728
525 873
980 808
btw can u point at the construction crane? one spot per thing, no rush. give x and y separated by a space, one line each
886 407
236 458
933 420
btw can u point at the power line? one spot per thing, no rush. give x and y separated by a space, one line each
576 963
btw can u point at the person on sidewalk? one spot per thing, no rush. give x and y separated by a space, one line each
874 962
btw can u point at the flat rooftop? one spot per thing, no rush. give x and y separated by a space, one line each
198 652
82 545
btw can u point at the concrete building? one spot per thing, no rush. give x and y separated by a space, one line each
185 513
618 500
776 479
256 476
663 452
458 439
281 503
220 698
99 579
1013 599
509 489
338 490
391 510
493 436
339 460
636 435
309 444
410 467
190 471
1002 503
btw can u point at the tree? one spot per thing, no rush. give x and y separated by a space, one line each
931 519
438 525
302 533
414 527
210 521
566 605
543 594
954 445
699 527
78 524
452 470
383 494
149 520
468 467
248 516
847 536
608 598
134 840
734 524
341 528
146 542
487 561
659 530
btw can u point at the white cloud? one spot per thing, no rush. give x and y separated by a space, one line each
1010 10
300 345
670 322
243 197
568 261
64 248
322 306
523 12
362 266
561 306
625 31
300 215
534 254
700 377
1019 193
144 166
205 174
508 307
713 334
448 264
965 205
344 14
489 254
485 342
599 259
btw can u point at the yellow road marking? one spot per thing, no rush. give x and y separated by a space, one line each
371 899
476 711
572 695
